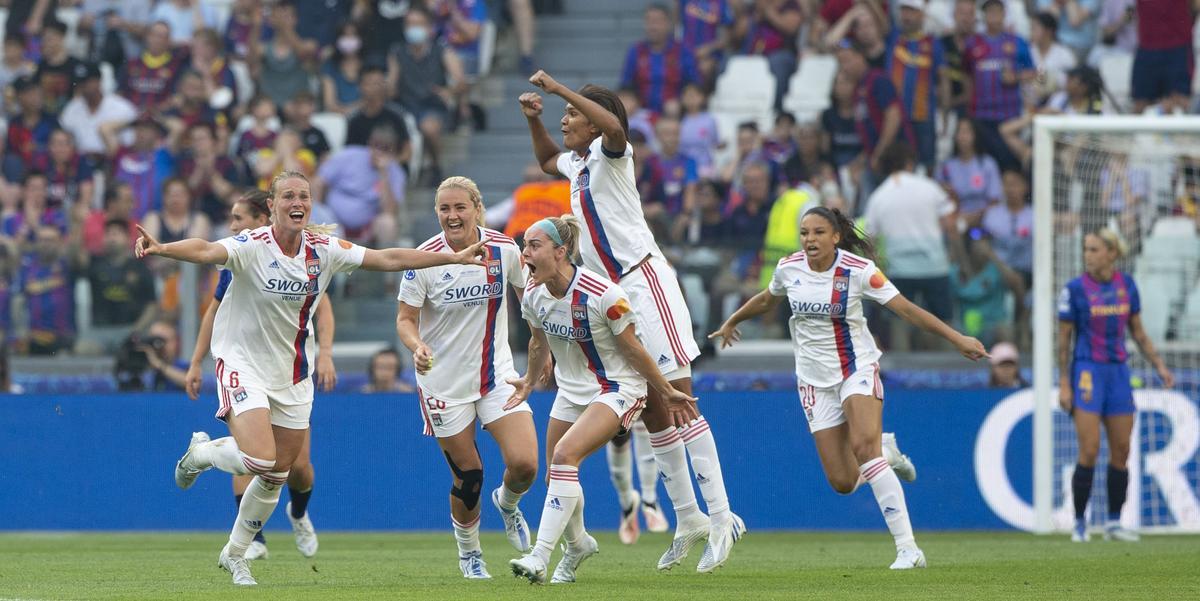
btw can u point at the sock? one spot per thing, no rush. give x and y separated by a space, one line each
299 501
575 531
646 468
258 536
508 498
620 470
673 469
223 454
702 449
1081 488
563 494
1118 483
258 503
466 535
890 496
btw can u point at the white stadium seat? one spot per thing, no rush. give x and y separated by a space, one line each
745 86
1117 71
808 91
333 125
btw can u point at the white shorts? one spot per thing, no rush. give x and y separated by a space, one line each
823 406
443 421
625 405
290 407
663 321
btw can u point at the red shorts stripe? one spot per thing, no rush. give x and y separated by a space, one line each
664 314
627 418
428 431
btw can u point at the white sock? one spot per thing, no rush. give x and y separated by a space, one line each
647 469
703 451
890 496
563 494
620 470
508 498
575 531
258 503
224 454
673 469
466 535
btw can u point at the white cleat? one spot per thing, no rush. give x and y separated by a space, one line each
238 567
257 550
686 537
900 463
720 543
515 526
306 537
473 566
628 530
656 520
565 572
185 475
1118 533
909 558
529 567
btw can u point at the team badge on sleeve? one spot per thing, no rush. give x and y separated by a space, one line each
241 237
878 280
579 312
618 309
841 283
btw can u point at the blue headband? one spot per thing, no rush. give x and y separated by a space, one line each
548 226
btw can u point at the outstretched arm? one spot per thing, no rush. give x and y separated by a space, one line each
609 125
760 304
400 259
192 250
968 346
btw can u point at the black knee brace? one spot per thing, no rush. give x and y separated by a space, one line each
472 484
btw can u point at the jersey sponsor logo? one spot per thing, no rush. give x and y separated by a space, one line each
1109 310
562 330
473 293
241 237
493 268
878 280
579 312
807 308
313 266
281 286
618 309
410 275
841 283
345 244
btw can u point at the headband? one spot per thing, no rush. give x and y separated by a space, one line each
547 226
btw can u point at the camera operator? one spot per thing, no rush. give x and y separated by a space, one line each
150 361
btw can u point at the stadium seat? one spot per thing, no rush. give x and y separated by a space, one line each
487 48
3 18
1156 308
70 17
416 161
1117 70
1189 321
108 79
746 86
222 8
333 125
808 91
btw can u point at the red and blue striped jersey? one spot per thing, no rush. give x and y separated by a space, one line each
985 58
658 76
702 21
913 64
1100 312
875 94
150 81
49 290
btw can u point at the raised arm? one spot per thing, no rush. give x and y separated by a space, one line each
192 250
968 346
545 150
609 125
400 259
760 304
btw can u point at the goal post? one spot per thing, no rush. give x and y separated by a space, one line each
1129 173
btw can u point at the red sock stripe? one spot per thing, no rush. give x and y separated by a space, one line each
696 430
874 468
256 468
468 525
277 481
663 439
565 476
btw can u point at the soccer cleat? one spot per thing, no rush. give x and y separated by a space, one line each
257 550
185 476
473 566
720 543
628 530
238 567
686 537
1115 531
900 463
565 572
1079 534
515 526
656 520
908 558
529 567
306 537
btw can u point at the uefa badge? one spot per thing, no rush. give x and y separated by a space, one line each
579 312
493 268
314 266
841 283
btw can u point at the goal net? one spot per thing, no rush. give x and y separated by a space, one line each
1139 176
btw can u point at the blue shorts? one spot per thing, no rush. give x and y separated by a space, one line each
1102 388
1161 73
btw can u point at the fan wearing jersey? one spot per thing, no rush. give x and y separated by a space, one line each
247 213
602 370
1095 310
837 362
262 341
618 244
458 314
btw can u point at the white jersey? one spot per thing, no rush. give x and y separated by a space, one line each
829 332
582 327
464 319
263 328
605 198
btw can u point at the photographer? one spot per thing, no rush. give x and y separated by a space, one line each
150 361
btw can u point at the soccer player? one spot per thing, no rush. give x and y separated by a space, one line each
1094 312
248 213
458 315
618 244
602 370
837 362
261 341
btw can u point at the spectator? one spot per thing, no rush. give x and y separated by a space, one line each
245 26
705 26
982 283
997 63
29 16
747 149
1118 31
1052 60
375 112
364 186
1010 226
538 197
178 219
260 136
913 217
118 206
428 79
1081 95
319 21
830 13
190 106
698 132
866 25
641 119
970 175
954 44
811 167
778 145
769 28
1162 66
34 210
208 60
878 115
679 170
46 281
13 64
839 131
116 28
383 373
917 65
185 17
281 65
91 108
299 112
380 21
708 226
1077 23
521 14
29 132
458 24
145 165
123 294
149 78
1125 193
8 265
210 175
165 370
288 154
340 74
752 207
69 176
658 66
57 67
1004 368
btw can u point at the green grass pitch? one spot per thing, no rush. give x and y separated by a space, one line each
765 565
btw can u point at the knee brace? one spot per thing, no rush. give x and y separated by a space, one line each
256 466
472 484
